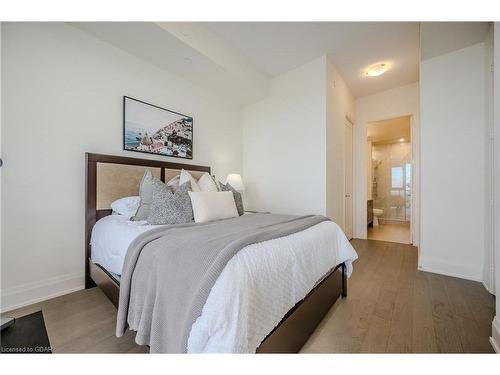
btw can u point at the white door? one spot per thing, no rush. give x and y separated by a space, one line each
348 174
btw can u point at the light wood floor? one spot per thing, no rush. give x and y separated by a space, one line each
390 232
391 307
394 308
82 322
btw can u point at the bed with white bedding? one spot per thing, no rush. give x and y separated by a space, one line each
234 319
264 292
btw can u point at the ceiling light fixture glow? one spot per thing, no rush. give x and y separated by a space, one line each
377 70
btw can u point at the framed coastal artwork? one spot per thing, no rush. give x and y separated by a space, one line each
155 130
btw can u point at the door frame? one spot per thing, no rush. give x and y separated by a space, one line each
412 163
415 170
350 124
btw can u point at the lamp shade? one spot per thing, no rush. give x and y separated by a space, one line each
235 181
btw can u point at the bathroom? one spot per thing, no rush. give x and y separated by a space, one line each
389 180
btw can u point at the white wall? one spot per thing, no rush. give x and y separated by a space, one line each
62 96
1 156
496 88
340 104
284 157
293 160
401 101
489 228
453 163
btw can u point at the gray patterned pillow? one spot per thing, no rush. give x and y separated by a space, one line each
237 197
146 193
170 206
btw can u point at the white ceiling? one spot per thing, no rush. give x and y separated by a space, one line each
277 47
443 37
237 60
225 74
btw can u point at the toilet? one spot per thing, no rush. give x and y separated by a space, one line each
376 213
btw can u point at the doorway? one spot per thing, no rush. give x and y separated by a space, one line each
389 180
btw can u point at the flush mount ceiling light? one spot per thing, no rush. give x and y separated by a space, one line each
377 69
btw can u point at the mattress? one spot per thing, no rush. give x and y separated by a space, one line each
261 283
111 237
258 286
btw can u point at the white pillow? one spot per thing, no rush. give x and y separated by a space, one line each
126 206
185 177
208 205
207 183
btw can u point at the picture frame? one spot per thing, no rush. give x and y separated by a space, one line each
151 129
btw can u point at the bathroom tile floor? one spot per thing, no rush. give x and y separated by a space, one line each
390 232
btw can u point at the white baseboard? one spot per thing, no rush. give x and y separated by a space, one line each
489 279
449 269
495 334
489 288
29 293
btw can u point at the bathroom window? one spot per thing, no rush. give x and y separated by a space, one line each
408 177
397 177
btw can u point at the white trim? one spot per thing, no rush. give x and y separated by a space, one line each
489 284
495 335
495 340
29 293
489 148
349 124
491 289
449 269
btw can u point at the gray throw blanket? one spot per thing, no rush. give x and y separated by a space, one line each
169 271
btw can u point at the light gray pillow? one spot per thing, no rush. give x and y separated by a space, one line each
170 206
146 194
174 182
237 197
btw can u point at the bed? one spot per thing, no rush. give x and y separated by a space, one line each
270 319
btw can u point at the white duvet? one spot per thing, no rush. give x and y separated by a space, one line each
258 286
111 237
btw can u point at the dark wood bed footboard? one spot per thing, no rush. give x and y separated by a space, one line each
299 323
295 328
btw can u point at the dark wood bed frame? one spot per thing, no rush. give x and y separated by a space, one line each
296 326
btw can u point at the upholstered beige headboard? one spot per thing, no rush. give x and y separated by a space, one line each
115 181
171 173
109 177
